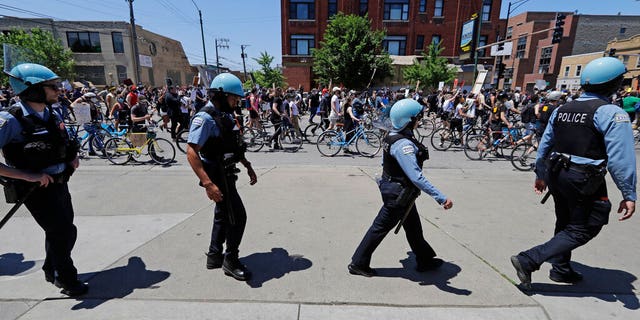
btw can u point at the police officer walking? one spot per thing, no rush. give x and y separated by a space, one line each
215 146
40 155
583 139
400 185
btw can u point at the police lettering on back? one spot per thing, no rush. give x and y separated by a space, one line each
569 117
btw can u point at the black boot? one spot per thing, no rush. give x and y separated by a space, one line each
214 260
72 289
233 268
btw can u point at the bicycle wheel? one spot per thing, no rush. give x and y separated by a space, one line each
441 139
161 151
290 140
254 139
475 147
329 143
523 156
312 131
368 144
425 129
181 140
117 150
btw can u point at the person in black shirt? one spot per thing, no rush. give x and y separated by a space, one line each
173 109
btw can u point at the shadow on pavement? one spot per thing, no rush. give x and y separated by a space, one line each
118 283
12 264
266 266
439 278
604 284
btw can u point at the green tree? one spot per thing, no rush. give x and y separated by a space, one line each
268 76
432 69
351 52
40 47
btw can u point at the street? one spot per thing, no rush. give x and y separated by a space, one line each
143 230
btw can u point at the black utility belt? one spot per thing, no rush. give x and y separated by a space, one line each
587 168
387 177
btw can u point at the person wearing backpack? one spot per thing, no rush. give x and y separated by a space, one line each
528 116
401 182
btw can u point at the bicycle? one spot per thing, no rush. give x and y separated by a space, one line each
368 143
120 151
288 138
313 130
523 156
442 139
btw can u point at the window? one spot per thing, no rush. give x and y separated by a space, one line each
625 60
422 8
84 41
301 44
95 74
509 32
333 8
118 45
486 10
302 9
522 46
395 45
578 70
483 42
566 71
545 59
396 10
623 30
420 42
638 62
364 7
438 11
436 38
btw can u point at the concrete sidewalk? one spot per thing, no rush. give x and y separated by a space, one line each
143 232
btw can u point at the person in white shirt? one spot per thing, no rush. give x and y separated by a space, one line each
336 111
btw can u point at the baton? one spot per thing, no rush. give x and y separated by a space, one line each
546 196
404 217
16 206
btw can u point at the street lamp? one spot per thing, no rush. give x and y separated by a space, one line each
204 50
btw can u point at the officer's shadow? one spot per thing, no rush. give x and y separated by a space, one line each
12 264
118 283
439 278
604 284
265 266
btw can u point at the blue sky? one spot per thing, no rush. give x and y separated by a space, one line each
255 23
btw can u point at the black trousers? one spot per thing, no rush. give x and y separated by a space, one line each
388 217
579 218
222 231
52 209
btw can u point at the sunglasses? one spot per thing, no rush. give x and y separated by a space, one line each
53 87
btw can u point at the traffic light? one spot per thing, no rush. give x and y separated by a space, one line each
501 44
501 67
612 52
559 29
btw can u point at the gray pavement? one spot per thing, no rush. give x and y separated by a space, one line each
143 231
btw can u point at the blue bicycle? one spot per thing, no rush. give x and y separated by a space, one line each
368 143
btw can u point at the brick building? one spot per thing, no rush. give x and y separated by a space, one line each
410 26
535 59
628 51
571 69
103 51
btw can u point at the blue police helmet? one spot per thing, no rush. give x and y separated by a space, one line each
602 70
402 112
228 83
26 75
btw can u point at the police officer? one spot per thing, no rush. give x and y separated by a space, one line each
214 148
543 112
40 155
583 139
402 175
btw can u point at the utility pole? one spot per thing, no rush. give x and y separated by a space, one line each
204 50
244 55
134 40
220 43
